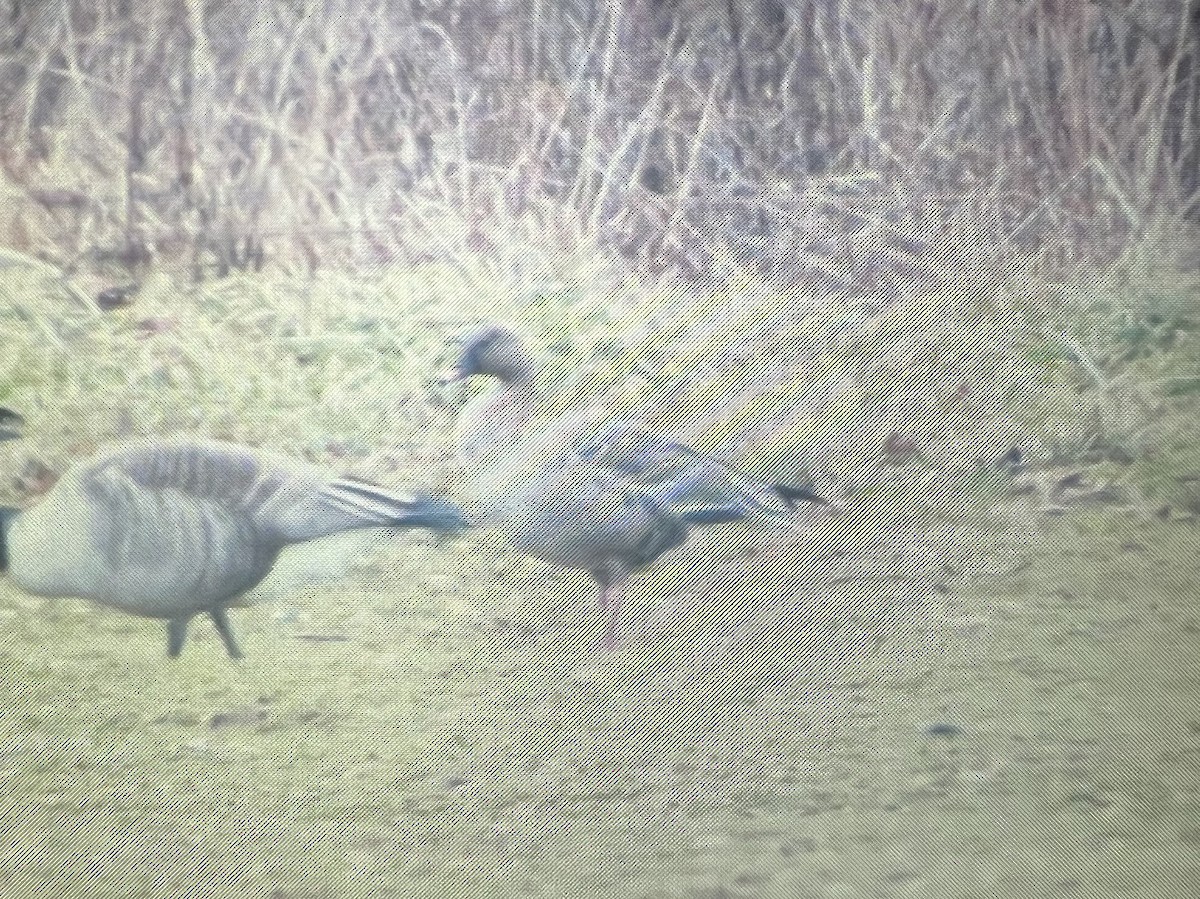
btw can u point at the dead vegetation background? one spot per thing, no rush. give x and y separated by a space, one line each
814 140
884 231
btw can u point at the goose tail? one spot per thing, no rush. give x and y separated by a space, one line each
733 502
792 495
713 514
380 507
713 483
10 424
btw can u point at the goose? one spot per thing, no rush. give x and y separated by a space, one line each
181 527
588 492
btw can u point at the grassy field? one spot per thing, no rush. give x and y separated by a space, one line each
951 712
959 686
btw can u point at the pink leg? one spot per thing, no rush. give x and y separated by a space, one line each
611 601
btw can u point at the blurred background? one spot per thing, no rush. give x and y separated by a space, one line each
829 223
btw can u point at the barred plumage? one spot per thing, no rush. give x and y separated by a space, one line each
172 529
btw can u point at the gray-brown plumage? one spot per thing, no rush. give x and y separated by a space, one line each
173 529
586 492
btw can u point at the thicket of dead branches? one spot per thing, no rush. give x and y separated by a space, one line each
822 139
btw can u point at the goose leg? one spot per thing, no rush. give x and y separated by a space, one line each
610 600
221 622
176 635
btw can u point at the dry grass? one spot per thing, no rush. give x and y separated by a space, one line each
936 383
798 141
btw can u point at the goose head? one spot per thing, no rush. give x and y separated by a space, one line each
496 351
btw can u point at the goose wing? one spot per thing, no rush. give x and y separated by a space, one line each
578 516
679 476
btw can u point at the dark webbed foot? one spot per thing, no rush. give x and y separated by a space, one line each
221 622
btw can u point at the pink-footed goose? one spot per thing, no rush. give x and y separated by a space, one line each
176 528
587 492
